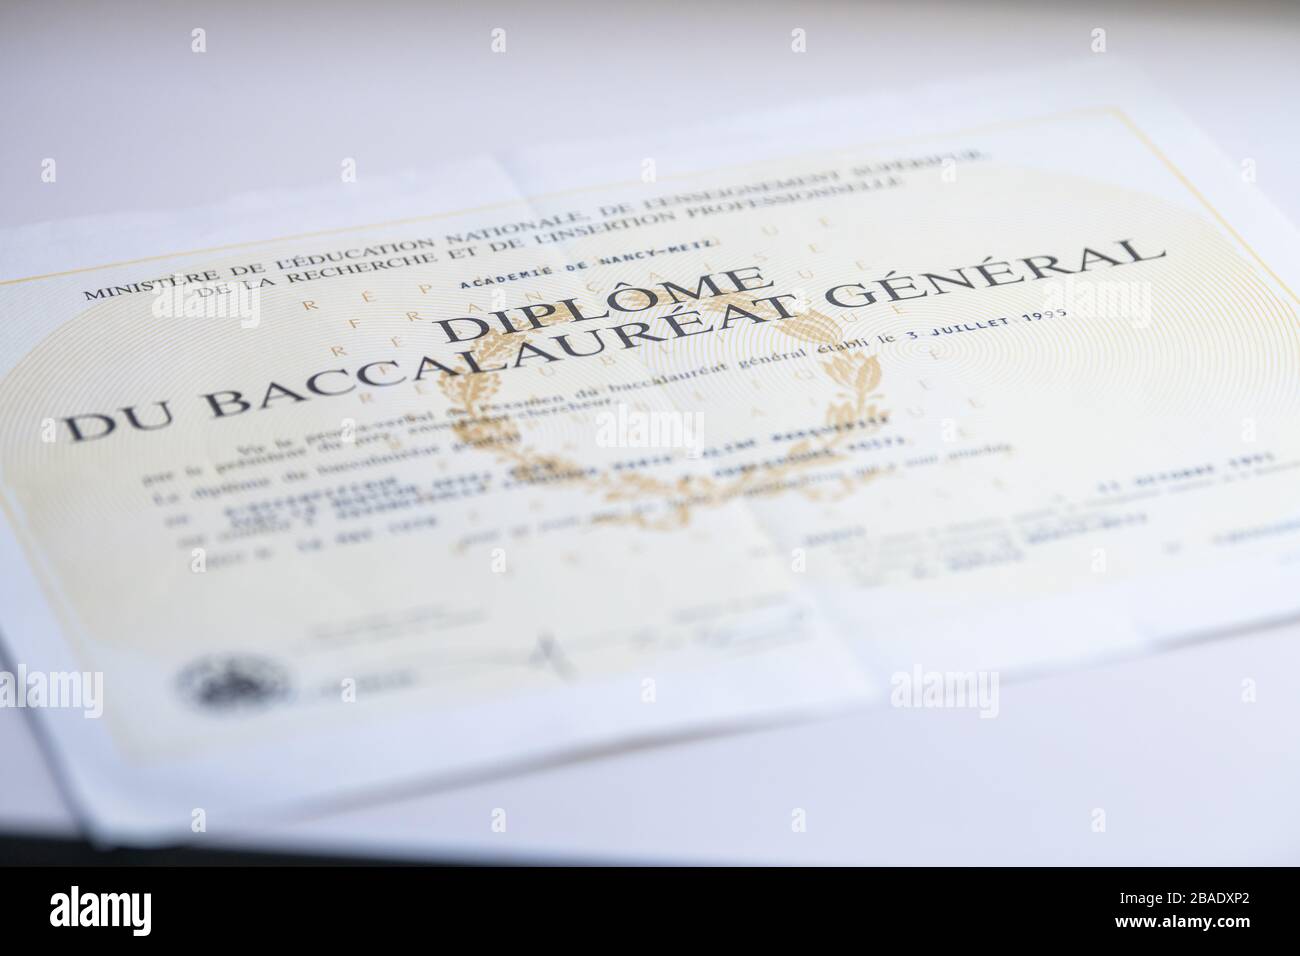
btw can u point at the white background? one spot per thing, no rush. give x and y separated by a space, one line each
1186 772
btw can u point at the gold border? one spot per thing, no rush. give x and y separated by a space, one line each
1169 164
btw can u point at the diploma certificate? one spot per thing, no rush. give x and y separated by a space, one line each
633 446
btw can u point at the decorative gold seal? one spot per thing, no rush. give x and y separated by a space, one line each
852 413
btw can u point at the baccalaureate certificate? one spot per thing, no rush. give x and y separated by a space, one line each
642 443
